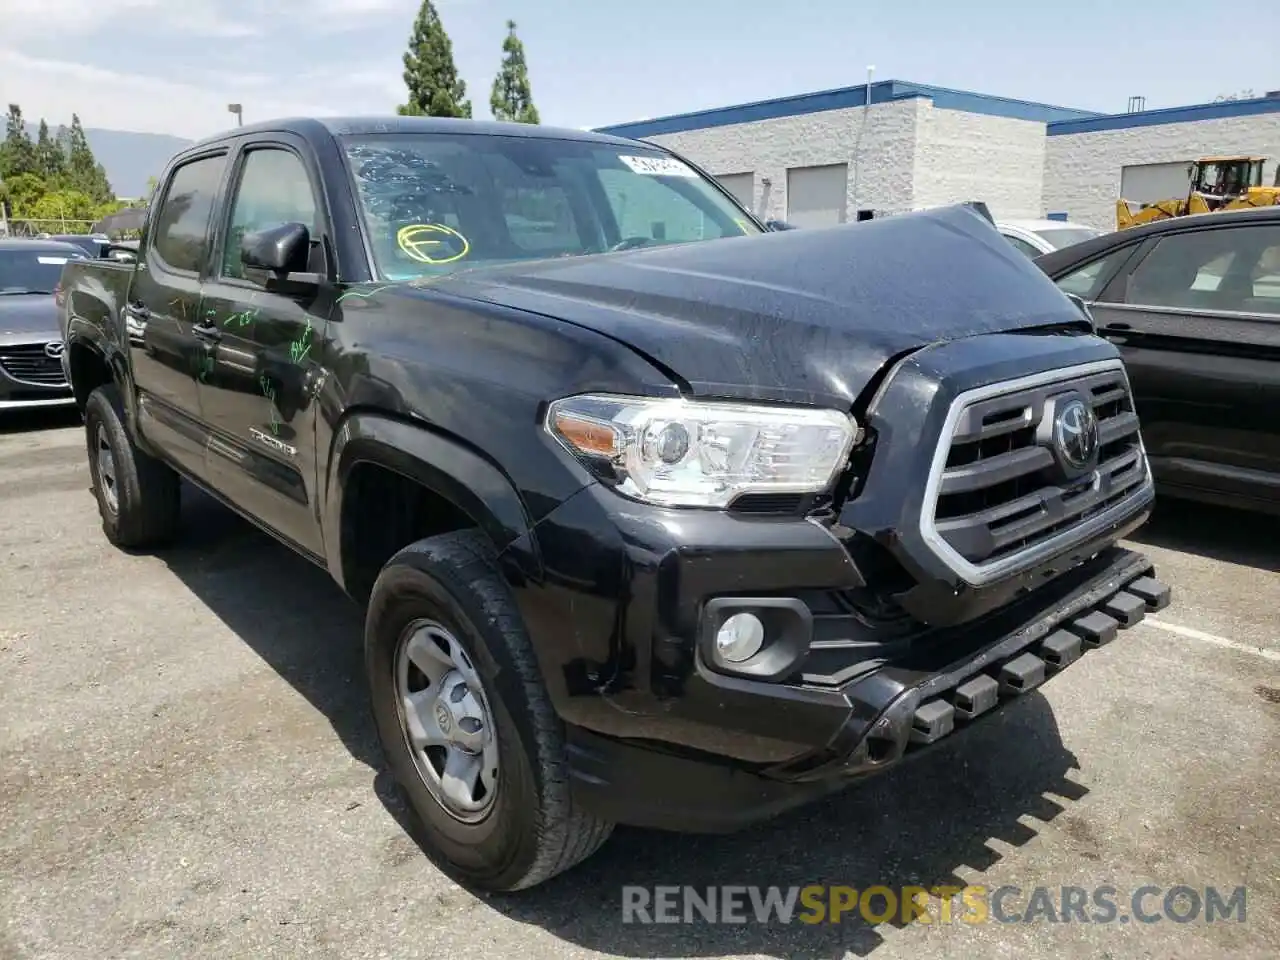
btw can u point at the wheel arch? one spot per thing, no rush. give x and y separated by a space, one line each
92 362
463 486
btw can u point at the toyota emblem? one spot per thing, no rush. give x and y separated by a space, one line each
1075 434
53 349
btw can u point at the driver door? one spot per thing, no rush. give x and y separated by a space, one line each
258 389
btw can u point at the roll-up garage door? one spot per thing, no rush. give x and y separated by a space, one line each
816 195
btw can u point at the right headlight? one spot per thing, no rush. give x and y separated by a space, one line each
704 453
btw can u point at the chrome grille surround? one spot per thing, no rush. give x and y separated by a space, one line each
31 364
997 499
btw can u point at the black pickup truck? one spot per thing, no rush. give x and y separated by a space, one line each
659 517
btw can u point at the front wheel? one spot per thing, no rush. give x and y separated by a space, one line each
465 721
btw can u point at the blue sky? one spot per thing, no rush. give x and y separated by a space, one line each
171 66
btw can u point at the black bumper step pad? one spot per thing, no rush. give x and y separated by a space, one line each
1096 629
1126 608
1060 649
1022 673
936 718
1153 593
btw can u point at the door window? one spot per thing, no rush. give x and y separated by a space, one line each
1086 282
1022 246
1224 269
274 189
180 237
1266 281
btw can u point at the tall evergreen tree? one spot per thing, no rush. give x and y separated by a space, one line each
511 98
17 153
84 173
435 89
51 162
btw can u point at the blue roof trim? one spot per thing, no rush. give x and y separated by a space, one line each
841 99
992 106
1152 118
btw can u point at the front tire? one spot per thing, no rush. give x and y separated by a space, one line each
139 498
465 721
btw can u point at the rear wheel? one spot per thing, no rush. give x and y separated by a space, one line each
138 496
468 729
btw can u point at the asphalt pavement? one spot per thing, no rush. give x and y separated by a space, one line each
188 769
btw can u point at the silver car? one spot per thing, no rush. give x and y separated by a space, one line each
31 373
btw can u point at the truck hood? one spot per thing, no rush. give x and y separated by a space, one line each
25 318
806 316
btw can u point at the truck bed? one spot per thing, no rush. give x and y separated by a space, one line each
96 291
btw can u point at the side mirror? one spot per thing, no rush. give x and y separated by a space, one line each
119 253
282 249
777 226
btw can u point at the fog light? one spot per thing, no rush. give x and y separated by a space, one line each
740 638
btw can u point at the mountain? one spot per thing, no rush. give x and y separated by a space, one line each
130 159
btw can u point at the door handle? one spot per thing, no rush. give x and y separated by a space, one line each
207 331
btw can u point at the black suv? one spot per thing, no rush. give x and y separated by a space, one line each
659 517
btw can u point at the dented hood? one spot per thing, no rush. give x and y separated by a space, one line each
805 315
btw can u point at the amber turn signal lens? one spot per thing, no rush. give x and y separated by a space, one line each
587 436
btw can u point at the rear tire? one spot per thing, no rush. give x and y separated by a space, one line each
139 497
519 827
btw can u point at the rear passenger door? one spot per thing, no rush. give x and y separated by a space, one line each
257 396
1197 316
164 306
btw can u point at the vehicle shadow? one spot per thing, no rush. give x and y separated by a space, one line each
37 419
920 825
917 825
284 608
1215 533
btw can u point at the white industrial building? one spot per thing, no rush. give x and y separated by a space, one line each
891 147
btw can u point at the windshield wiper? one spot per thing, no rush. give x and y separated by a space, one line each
21 291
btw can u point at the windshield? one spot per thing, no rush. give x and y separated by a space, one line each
32 271
435 203
1066 236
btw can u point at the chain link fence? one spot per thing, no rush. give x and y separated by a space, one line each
29 228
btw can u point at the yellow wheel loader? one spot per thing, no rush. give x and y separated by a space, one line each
1217 183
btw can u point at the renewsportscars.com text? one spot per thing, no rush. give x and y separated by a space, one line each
818 904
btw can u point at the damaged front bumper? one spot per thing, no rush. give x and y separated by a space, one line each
931 695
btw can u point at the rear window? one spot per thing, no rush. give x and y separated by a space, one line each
33 271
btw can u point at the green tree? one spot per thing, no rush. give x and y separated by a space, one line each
17 153
511 98
23 191
435 89
51 162
84 173
58 206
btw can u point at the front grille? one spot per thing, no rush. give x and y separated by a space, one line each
1000 491
29 363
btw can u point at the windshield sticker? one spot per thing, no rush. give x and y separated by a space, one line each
432 243
52 260
658 166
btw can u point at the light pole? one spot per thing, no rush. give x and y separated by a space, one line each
238 110
862 128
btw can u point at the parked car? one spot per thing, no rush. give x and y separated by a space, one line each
1036 237
1194 305
92 244
670 521
31 373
